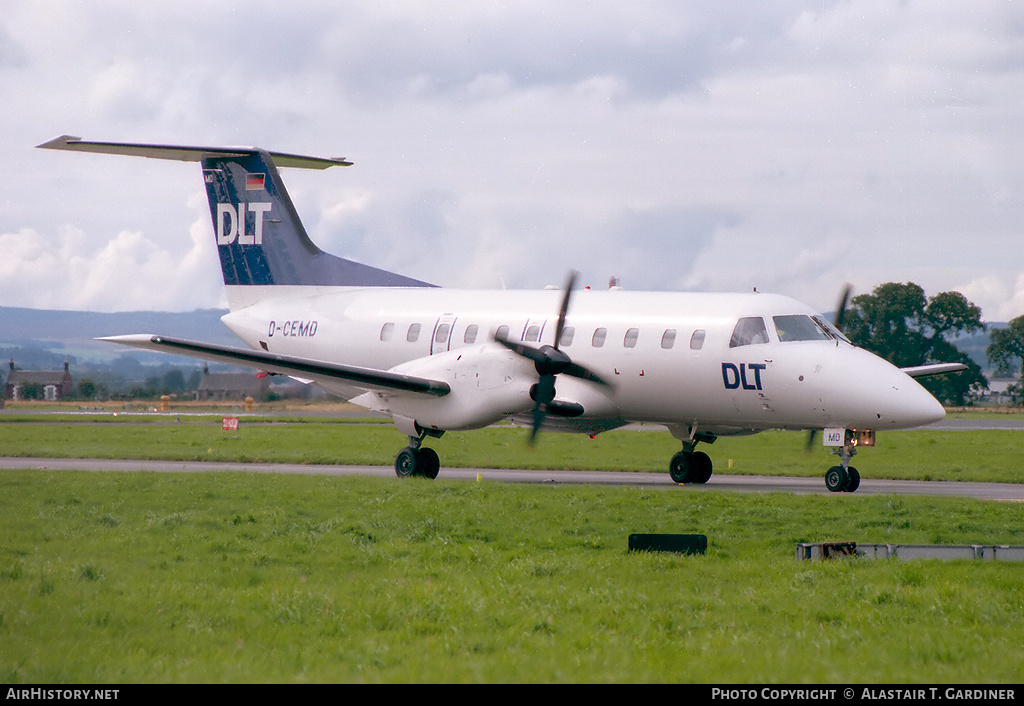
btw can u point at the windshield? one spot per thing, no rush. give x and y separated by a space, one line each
832 330
801 327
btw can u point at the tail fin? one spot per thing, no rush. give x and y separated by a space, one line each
260 238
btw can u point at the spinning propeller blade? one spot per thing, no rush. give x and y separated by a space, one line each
844 300
549 361
838 321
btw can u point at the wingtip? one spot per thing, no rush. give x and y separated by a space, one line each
129 338
59 143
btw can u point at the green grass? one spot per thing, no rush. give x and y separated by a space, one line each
989 455
136 577
141 577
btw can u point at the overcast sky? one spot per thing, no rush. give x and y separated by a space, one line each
787 146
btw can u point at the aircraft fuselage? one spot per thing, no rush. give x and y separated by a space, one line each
668 357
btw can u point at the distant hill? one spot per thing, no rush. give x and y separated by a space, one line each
976 344
43 338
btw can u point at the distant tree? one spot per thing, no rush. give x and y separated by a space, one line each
897 322
173 382
32 391
1006 352
87 388
152 387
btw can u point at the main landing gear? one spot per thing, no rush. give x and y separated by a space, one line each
418 460
689 466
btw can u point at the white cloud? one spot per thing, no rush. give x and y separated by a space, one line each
792 146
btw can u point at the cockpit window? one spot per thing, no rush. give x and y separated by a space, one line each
749 330
799 327
831 330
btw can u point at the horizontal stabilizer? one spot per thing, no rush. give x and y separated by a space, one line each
365 378
185 153
920 371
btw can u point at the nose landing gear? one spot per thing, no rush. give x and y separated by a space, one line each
844 478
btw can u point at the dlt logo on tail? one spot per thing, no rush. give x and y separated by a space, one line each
231 222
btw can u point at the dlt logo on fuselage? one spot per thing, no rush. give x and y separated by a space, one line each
735 377
231 222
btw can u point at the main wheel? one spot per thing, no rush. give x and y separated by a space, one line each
700 468
690 467
679 467
836 479
427 463
406 463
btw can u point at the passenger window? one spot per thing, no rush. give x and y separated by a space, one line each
599 335
668 339
386 331
567 335
697 339
471 332
749 331
441 335
630 339
533 333
502 332
414 333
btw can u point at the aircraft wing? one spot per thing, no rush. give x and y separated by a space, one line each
364 378
919 371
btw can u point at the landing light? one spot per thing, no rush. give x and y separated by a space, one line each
864 437
849 437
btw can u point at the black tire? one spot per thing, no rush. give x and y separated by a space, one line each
427 463
701 468
679 467
406 463
836 479
854 482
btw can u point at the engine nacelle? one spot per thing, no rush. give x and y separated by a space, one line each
488 383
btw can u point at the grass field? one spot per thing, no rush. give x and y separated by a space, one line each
989 455
141 577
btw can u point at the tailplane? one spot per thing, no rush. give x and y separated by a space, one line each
260 239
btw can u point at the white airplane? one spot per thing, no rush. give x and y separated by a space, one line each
437 359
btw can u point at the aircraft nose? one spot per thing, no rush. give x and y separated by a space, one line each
917 406
887 398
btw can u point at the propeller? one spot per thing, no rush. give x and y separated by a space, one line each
550 362
844 299
838 321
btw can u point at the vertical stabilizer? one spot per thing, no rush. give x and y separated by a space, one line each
260 239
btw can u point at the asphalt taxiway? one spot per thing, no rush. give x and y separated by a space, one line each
719 482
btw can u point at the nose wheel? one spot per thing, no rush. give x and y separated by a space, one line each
843 478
